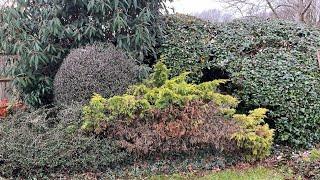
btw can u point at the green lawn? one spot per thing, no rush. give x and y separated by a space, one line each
259 173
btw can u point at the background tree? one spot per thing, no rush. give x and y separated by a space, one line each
214 15
305 11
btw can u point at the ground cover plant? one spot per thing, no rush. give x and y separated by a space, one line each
46 141
301 163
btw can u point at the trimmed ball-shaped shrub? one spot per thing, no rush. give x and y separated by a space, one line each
102 69
273 64
185 45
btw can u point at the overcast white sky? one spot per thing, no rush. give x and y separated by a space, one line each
193 6
189 6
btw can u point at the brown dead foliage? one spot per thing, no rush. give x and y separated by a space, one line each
176 130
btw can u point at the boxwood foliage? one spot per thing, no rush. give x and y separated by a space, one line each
273 64
42 32
99 68
185 45
45 142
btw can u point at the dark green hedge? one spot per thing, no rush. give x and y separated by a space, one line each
185 46
273 64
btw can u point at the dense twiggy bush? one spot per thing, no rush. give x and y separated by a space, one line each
165 115
172 130
101 69
47 141
273 63
42 32
185 45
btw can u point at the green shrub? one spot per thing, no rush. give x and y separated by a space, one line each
42 33
99 69
161 93
170 115
186 45
314 155
94 111
255 138
273 64
47 142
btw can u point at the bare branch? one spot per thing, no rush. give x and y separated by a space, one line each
272 8
307 7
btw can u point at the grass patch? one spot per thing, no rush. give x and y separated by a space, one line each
258 173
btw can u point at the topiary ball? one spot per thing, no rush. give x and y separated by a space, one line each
99 68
